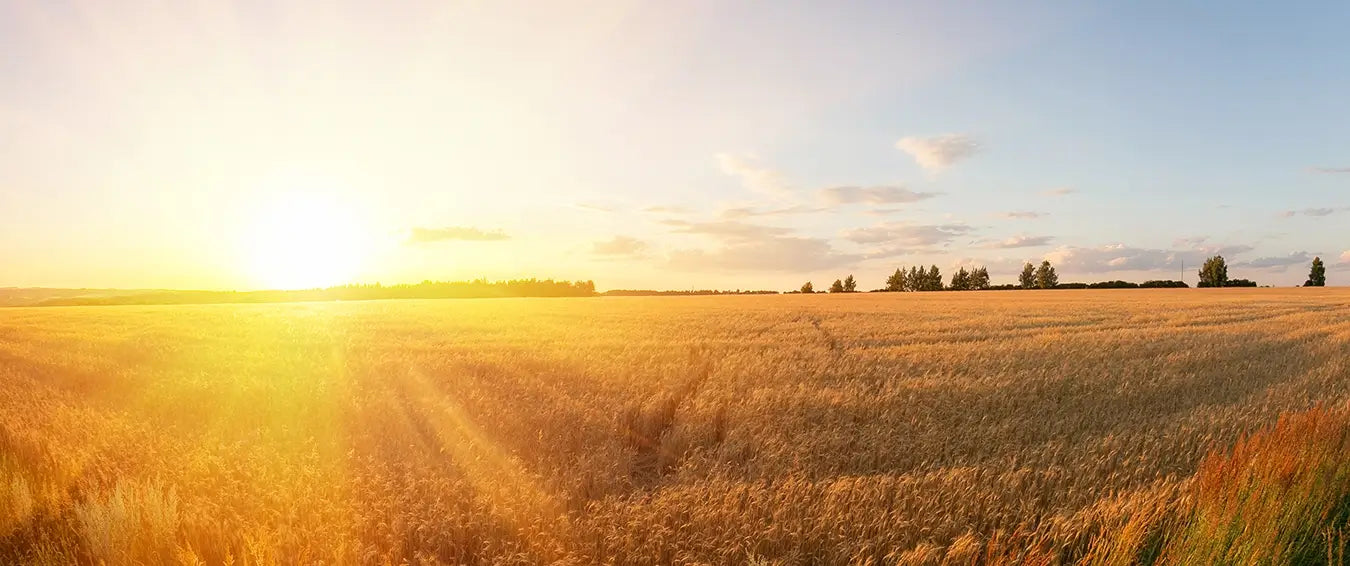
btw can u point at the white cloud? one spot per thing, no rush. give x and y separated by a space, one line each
753 176
1125 258
1114 257
938 152
1345 256
1059 192
620 246
1331 169
872 195
1120 257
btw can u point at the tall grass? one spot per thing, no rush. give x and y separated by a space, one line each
1281 496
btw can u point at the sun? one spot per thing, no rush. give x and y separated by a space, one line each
304 240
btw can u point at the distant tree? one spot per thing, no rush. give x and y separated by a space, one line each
896 282
918 278
1046 278
1117 284
837 286
934 279
850 285
960 280
1317 276
1214 273
1028 277
1168 284
808 288
979 278
1240 283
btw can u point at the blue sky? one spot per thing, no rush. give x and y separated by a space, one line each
694 144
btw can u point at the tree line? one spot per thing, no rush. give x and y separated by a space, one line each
681 293
919 278
1213 273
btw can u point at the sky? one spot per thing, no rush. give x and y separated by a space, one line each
672 145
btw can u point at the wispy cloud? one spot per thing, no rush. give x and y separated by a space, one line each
1331 169
778 253
1023 214
938 152
620 246
1120 257
1322 211
753 175
907 234
667 209
749 211
1059 192
1278 262
881 211
725 229
872 195
464 233
1114 257
1226 251
1022 241
595 206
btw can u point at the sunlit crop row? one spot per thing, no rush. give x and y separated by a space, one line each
869 428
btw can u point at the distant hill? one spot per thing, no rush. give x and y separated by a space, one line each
478 288
28 296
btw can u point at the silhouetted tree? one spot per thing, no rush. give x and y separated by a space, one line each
850 285
1028 277
934 279
1317 276
918 278
837 286
979 278
960 280
1214 273
808 288
896 282
1046 278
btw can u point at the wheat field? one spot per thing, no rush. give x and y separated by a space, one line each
957 428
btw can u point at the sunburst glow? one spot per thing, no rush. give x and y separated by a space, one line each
305 239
